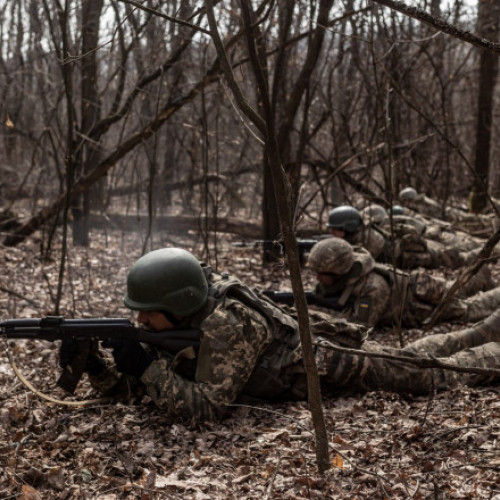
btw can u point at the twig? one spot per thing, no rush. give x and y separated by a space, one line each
156 12
18 295
432 393
271 484
417 361
46 397
345 458
417 488
440 24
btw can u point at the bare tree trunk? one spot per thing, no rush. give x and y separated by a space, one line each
67 70
271 222
283 193
88 153
488 26
285 105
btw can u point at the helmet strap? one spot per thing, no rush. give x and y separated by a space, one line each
173 319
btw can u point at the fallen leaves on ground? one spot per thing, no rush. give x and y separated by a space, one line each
382 445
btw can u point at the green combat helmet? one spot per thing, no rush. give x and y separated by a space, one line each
408 194
397 210
332 256
374 214
346 218
168 279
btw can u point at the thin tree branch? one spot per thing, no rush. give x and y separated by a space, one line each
156 12
103 167
421 362
18 295
228 72
440 24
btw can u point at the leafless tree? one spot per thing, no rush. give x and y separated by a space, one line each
367 98
488 25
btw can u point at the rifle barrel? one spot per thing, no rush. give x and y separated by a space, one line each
52 328
87 330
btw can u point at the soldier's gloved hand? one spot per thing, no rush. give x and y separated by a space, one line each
130 357
68 351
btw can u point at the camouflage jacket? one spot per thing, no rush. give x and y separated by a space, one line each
374 240
250 349
378 294
247 344
365 295
413 242
405 244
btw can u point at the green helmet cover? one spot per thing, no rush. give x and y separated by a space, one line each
167 279
332 255
345 217
374 213
408 194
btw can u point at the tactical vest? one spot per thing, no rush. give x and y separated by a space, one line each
269 379
399 283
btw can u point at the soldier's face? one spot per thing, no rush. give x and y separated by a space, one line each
326 279
337 232
154 320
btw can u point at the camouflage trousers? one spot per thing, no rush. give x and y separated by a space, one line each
478 306
428 254
468 257
477 346
431 288
427 291
436 255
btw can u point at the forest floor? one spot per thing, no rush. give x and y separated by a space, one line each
382 445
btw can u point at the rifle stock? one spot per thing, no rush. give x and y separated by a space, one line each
88 332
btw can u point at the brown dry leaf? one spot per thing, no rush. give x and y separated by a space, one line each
338 461
9 122
338 439
416 442
28 493
56 477
17 414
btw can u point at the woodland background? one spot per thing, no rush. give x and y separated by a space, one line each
123 130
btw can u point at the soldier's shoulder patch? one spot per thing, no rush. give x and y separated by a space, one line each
364 310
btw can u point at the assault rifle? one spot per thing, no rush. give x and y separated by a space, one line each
87 332
311 298
304 246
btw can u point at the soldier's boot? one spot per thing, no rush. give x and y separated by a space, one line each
471 256
482 304
447 344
